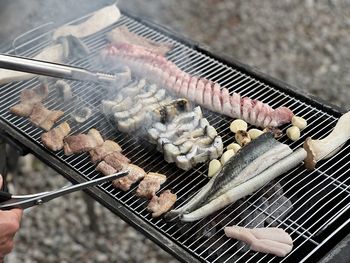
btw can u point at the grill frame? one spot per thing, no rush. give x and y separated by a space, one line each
117 207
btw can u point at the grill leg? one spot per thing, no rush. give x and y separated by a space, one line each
90 206
3 164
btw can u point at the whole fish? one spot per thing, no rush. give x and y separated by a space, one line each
249 162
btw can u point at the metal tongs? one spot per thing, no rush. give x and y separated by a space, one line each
54 70
9 201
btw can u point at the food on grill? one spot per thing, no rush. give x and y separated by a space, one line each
136 174
122 35
150 185
187 140
162 204
300 122
53 139
43 117
226 156
293 133
28 98
107 169
243 138
255 133
134 105
97 154
64 90
210 95
328 146
269 240
234 146
81 115
277 133
238 125
116 156
167 112
214 167
99 20
249 162
82 142
116 162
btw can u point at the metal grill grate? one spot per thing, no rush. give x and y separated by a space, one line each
320 198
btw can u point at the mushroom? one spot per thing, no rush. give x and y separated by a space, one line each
330 145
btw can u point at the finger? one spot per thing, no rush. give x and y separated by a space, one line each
1 181
18 213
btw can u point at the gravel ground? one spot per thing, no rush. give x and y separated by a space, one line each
303 42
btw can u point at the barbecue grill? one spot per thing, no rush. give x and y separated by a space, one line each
320 216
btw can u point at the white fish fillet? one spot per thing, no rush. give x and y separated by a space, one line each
99 20
269 240
248 187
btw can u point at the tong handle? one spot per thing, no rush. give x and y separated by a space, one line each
45 68
5 196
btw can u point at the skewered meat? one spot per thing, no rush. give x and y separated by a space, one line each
267 240
162 204
202 91
43 117
53 139
97 154
123 35
28 98
150 185
82 142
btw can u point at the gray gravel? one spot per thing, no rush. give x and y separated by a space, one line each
305 43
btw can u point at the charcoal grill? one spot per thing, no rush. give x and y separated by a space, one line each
320 217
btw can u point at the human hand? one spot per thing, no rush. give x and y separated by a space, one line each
9 225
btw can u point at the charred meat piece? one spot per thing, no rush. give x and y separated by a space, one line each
162 204
82 142
121 35
105 149
135 174
150 185
43 117
28 98
53 139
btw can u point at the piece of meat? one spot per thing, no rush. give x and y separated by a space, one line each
82 142
53 139
106 169
97 154
121 34
269 240
150 185
28 98
152 66
136 173
162 204
116 156
43 117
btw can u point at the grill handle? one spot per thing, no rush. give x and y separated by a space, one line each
52 69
